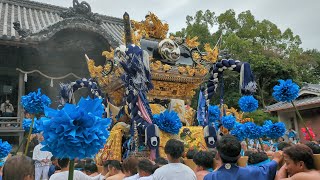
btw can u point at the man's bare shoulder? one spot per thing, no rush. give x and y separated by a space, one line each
116 177
311 175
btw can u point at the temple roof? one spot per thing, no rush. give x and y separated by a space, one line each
310 89
309 94
37 17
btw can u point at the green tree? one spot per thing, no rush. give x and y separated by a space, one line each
308 64
259 116
199 25
273 54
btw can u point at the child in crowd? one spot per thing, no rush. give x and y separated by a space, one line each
258 158
145 169
129 167
204 163
54 166
91 169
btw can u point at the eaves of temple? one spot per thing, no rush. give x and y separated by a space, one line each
39 22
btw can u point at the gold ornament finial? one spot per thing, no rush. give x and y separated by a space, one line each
152 27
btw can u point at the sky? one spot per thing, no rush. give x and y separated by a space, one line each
301 16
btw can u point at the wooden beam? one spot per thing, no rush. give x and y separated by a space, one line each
21 92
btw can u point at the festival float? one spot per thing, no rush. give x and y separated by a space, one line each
148 83
146 86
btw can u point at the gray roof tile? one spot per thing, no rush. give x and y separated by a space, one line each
311 87
37 16
298 102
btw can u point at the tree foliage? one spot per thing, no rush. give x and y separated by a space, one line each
259 117
272 53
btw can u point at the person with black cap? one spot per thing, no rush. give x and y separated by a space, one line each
229 152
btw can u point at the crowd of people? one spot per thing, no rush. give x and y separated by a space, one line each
290 161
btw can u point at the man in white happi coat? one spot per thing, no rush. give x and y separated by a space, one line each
42 161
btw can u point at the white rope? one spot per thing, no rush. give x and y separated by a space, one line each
49 77
220 39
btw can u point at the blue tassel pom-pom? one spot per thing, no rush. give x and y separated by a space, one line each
168 121
248 104
286 91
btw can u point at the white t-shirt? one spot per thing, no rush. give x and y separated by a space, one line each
39 155
134 177
174 171
146 178
77 175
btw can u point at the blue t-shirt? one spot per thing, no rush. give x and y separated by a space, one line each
265 172
52 169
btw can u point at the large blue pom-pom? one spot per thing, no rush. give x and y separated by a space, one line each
214 113
168 121
252 130
248 103
34 103
75 131
5 149
286 91
36 125
228 121
274 131
239 131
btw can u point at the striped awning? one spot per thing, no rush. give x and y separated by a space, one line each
37 16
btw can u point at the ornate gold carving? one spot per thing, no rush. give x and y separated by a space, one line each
201 70
113 148
190 71
237 115
244 120
196 56
177 108
152 27
117 96
157 108
157 65
181 69
170 90
196 138
118 71
189 115
108 54
136 37
212 54
166 67
104 81
95 71
109 82
192 43
107 67
224 130
169 81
